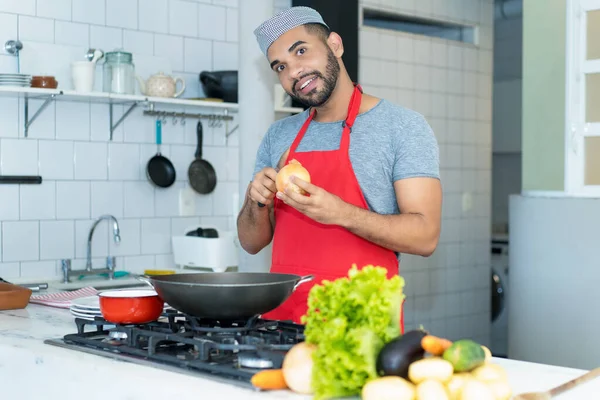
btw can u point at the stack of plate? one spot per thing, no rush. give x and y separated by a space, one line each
89 307
20 80
86 307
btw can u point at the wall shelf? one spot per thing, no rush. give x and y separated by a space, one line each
103 97
133 101
291 110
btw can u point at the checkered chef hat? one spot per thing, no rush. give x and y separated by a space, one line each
270 30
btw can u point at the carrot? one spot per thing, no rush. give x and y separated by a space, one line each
435 345
269 379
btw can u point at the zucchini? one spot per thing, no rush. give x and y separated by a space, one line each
465 355
397 355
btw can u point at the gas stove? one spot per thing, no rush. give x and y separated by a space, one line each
230 351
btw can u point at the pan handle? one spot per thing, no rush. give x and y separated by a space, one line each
145 279
304 279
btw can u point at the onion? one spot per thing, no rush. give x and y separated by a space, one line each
297 367
283 177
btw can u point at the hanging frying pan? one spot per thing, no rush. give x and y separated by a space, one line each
201 173
160 170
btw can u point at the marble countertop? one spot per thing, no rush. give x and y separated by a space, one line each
29 368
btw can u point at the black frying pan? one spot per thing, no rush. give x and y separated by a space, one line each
160 170
201 173
230 295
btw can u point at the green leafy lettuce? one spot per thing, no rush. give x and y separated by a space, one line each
350 319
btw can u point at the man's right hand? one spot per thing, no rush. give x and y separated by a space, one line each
263 188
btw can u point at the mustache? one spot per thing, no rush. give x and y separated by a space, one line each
314 73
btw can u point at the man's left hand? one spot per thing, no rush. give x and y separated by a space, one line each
319 204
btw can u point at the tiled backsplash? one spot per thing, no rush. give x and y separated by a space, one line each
450 83
84 174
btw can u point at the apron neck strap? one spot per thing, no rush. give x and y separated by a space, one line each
353 108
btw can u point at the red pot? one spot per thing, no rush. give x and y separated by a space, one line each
135 306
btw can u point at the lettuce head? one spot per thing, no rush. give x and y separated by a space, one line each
350 319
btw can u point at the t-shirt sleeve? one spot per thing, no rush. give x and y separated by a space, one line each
263 154
417 151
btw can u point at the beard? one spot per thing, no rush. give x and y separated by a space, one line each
316 98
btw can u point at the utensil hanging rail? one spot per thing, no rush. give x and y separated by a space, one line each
20 179
214 118
176 114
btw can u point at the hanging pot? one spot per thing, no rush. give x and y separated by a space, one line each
220 84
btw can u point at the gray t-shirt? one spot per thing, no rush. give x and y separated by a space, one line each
387 143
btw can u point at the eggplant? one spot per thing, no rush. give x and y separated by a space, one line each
397 355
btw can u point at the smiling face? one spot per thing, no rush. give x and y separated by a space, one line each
306 64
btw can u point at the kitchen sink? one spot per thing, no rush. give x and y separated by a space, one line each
101 284
113 286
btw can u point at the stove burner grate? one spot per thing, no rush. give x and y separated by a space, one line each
225 349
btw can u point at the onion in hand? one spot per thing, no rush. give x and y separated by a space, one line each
283 177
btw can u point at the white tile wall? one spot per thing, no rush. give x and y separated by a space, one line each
450 84
84 174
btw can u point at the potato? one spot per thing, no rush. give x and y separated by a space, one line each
501 390
456 384
488 354
435 368
432 390
388 388
476 390
490 373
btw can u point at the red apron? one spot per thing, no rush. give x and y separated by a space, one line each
303 246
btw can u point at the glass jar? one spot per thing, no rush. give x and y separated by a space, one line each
119 73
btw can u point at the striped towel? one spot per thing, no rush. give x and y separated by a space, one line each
62 299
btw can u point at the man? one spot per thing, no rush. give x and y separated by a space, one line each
375 190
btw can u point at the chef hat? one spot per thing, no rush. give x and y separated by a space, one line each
270 30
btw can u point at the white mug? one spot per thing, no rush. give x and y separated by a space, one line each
83 74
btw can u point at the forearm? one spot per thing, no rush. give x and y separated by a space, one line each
404 233
254 226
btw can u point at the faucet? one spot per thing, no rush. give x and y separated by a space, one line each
110 261
116 237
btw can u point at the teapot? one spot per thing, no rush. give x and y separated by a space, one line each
161 85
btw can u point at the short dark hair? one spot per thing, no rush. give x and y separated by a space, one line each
319 30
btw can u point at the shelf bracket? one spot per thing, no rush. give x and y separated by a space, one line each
227 131
125 114
227 134
28 121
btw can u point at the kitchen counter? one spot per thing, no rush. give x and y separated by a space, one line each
30 368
